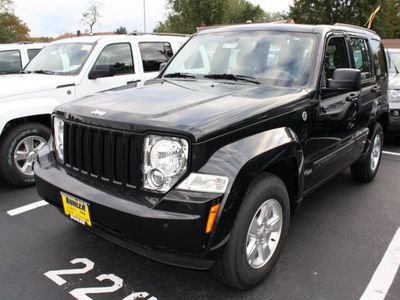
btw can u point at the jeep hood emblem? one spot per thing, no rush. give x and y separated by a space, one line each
99 113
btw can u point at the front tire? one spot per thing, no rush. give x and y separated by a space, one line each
365 169
18 152
257 236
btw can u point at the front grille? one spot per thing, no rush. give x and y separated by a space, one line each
108 155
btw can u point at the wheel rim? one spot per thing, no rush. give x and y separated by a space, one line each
264 233
376 152
25 154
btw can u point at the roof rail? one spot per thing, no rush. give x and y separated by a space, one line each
354 26
160 33
288 21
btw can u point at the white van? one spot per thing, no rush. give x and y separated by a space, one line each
66 70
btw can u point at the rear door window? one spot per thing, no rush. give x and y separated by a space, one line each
361 57
154 54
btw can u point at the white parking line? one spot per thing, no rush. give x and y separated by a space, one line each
391 153
26 208
385 273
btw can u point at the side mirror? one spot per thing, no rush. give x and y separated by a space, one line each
102 70
344 80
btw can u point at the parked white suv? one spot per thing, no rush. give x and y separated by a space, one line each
63 71
15 56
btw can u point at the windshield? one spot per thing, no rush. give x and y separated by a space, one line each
282 58
60 59
394 59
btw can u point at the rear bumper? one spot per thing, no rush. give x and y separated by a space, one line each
168 228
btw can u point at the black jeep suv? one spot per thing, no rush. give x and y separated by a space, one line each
202 167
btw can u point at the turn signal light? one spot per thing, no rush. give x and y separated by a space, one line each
211 217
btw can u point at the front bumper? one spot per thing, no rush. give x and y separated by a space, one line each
168 228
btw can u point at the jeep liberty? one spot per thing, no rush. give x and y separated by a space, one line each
203 166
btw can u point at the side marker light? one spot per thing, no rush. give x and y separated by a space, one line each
211 217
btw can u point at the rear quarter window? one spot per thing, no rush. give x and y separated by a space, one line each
379 58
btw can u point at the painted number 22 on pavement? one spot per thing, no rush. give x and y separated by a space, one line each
81 293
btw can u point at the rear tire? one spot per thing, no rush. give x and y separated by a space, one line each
257 235
365 169
18 152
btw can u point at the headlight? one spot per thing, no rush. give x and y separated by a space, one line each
165 161
204 183
58 125
394 95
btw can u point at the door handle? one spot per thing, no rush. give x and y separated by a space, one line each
375 89
133 81
352 98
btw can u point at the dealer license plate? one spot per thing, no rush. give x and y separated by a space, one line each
76 209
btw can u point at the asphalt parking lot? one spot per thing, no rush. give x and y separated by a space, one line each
337 241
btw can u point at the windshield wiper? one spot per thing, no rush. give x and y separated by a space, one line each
232 77
43 72
179 75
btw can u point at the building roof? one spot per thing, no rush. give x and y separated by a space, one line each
391 43
71 35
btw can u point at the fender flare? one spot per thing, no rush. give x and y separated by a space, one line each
241 162
379 113
26 108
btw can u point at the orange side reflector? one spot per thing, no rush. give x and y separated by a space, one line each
211 217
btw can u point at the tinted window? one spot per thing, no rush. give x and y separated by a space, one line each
153 54
361 57
10 62
118 55
32 53
336 56
379 58
280 59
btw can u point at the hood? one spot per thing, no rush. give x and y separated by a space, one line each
24 84
196 108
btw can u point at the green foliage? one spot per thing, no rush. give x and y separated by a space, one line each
356 12
187 15
12 29
41 39
121 30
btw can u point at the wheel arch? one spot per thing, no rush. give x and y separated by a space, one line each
277 151
36 110
44 119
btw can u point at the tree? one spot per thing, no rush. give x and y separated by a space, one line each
355 12
6 6
92 16
187 15
12 29
121 30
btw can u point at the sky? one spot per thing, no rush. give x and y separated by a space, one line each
51 18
